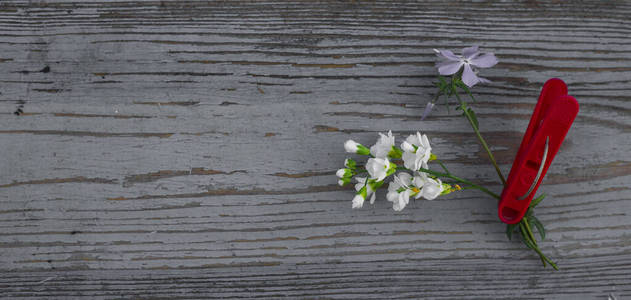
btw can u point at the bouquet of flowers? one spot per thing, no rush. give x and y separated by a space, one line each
410 163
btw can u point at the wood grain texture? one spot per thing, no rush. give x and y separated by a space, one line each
186 149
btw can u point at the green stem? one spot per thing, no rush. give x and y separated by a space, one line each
436 97
480 138
458 179
525 229
443 166
529 237
529 231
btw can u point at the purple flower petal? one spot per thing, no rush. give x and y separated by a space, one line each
484 61
428 109
483 80
446 54
449 67
470 52
468 77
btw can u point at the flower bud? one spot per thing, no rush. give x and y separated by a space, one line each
428 109
447 189
349 163
342 173
344 181
353 147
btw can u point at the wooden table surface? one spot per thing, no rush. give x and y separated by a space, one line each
185 149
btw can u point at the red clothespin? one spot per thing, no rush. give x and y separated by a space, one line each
554 113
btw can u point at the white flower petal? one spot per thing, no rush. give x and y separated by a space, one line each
358 201
361 181
392 196
405 146
432 189
402 200
419 179
425 142
409 160
414 139
351 146
405 178
377 168
383 146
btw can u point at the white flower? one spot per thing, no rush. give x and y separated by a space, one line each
383 146
432 188
418 182
378 168
470 57
402 201
407 147
358 201
361 181
416 151
353 147
398 198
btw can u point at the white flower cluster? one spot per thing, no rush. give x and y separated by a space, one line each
415 153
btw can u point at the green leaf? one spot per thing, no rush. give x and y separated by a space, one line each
539 225
442 84
529 212
537 200
463 86
442 80
510 228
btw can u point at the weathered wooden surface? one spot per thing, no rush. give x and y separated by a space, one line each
186 149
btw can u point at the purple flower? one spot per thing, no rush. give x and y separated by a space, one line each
471 57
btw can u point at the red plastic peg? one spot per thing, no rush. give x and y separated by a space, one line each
554 113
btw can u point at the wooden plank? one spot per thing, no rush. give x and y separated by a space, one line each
175 150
